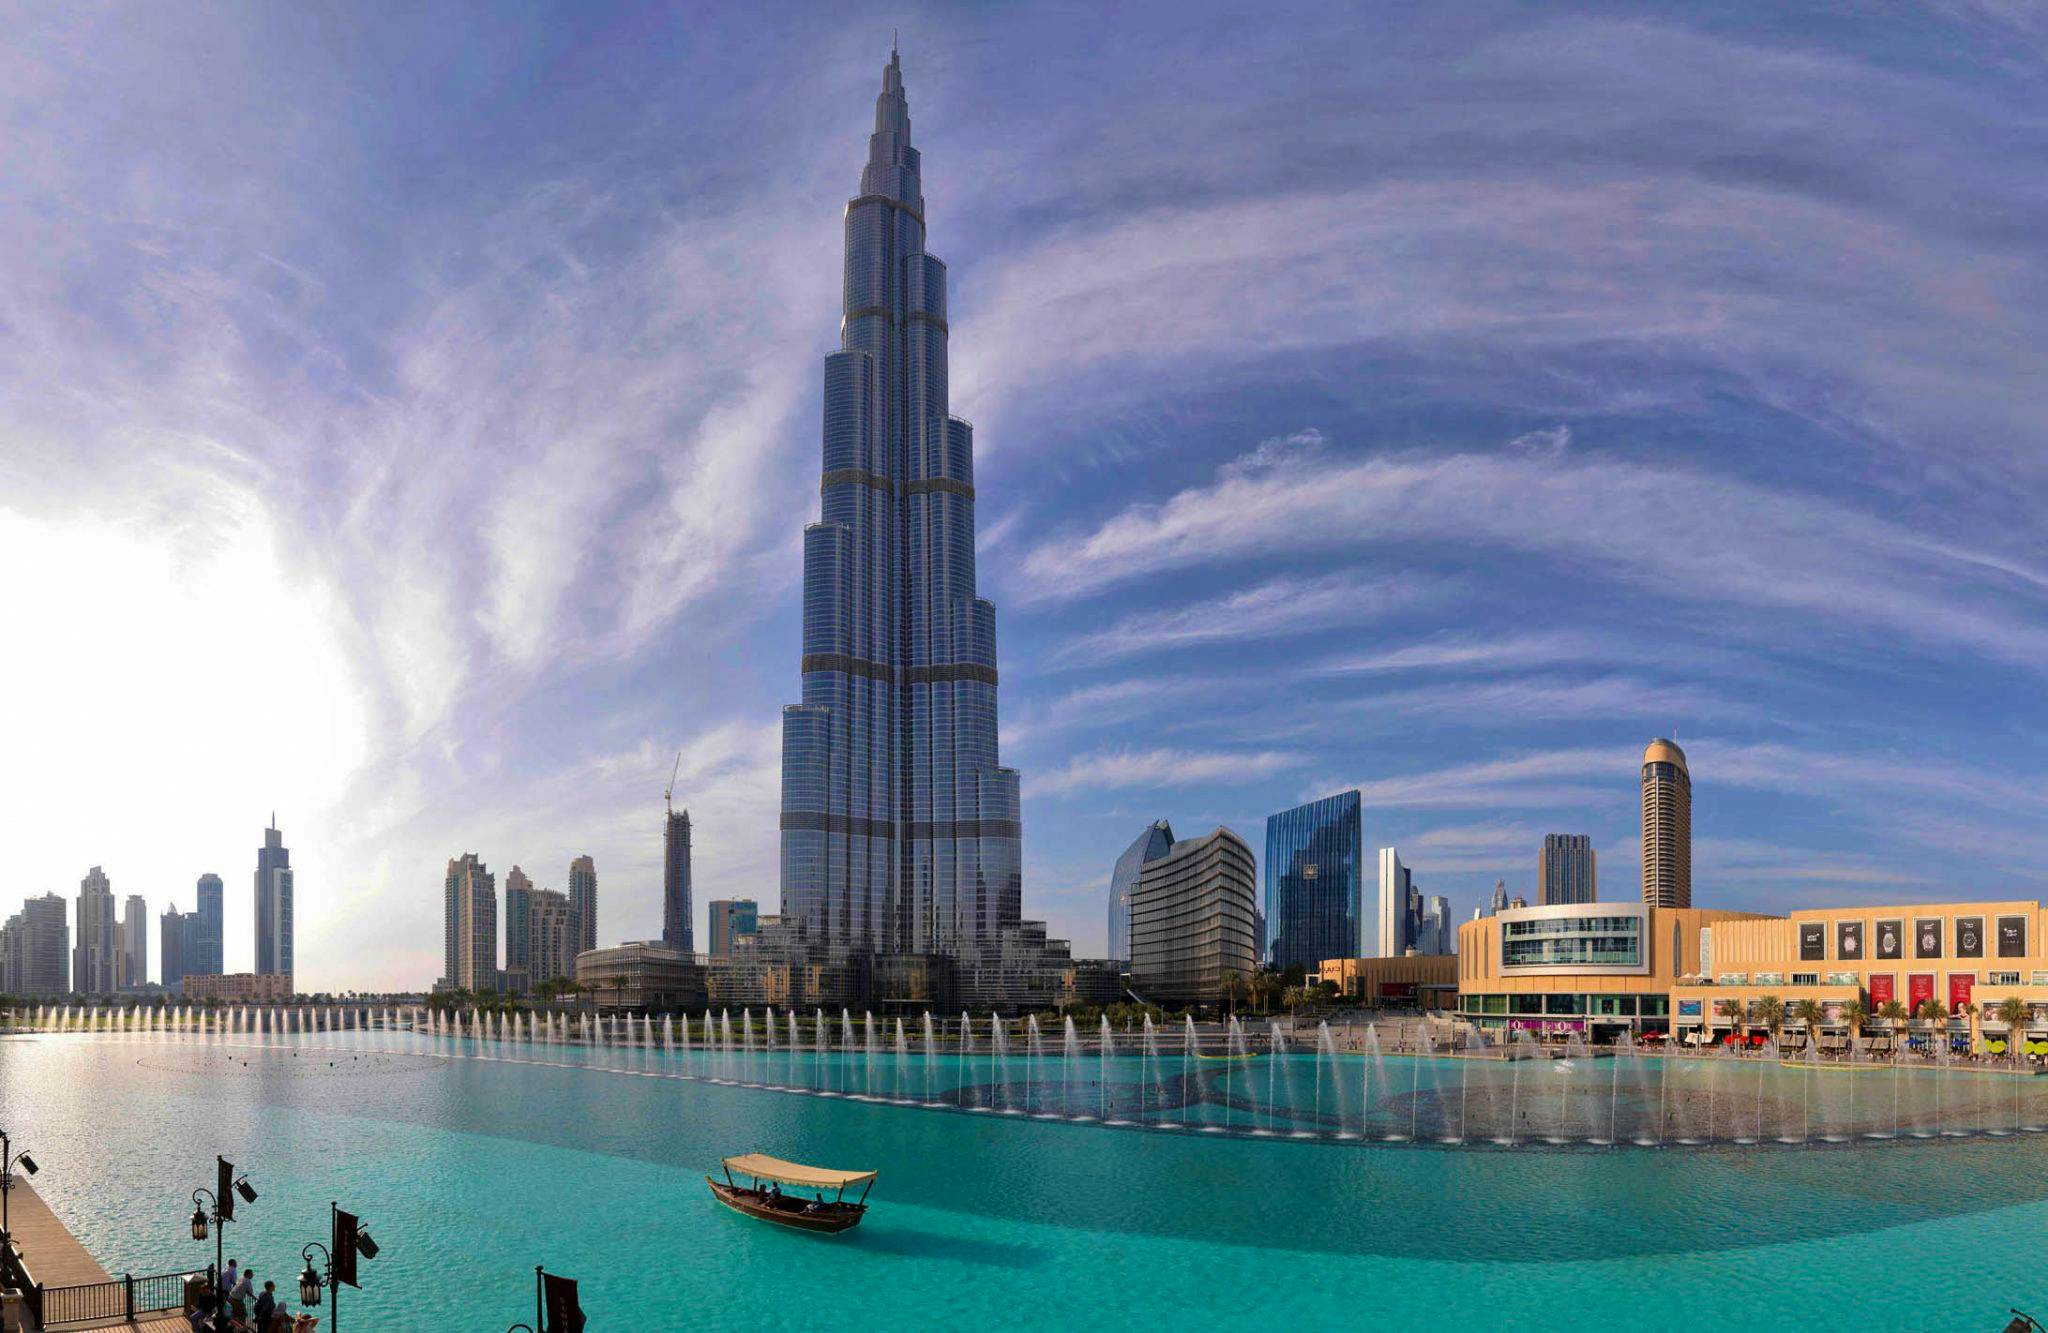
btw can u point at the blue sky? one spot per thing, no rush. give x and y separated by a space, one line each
408 415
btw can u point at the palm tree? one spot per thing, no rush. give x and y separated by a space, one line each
1293 998
1809 1013
1731 1009
1894 1014
1855 1014
1931 1012
1769 1010
2012 1011
1234 988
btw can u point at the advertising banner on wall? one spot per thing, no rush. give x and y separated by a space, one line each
1969 937
1927 937
1960 984
1813 941
1849 940
1891 939
1689 1008
1883 988
1919 986
2012 937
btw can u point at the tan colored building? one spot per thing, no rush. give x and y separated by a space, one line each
1194 917
1667 826
1422 981
240 987
1597 969
1958 954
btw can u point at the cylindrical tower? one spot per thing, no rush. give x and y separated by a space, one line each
1667 826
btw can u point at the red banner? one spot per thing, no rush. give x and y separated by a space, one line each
1959 989
1882 988
1919 986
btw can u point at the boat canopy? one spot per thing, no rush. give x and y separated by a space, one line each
763 1167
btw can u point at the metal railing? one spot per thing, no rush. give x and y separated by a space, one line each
125 1297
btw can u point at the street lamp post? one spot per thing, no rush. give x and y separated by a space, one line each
8 1160
337 1263
219 1204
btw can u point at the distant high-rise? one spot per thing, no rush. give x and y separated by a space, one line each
1314 858
551 936
583 901
1566 871
518 923
1499 902
470 942
1667 826
1147 847
273 903
206 959
730 918
676 911
134 942
36 943
177 946
1444 936
901 829
98 942
1396 920
1194 917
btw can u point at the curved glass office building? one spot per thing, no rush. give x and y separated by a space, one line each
900 828
1313 856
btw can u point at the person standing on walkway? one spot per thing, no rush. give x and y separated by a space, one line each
229 1278
242 1293
266 1307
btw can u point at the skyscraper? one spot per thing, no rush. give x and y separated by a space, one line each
1148 846
583 901
134 942
550 948
470 939
177 945
518 923
1566 871
1396 921
99 936
1193 918
1314 856
1667 826
676 931
37 941
273 903
206 959
729 919
900 828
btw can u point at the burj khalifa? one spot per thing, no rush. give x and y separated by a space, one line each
900 826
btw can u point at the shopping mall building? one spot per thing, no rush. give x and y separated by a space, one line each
1599 969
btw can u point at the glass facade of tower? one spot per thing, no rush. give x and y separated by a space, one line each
1150 845
900 829
1314 853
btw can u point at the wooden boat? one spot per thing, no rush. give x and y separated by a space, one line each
816 1213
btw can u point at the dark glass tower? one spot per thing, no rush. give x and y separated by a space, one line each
900 829
1314 855
676 910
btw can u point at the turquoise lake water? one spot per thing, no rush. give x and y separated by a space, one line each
472 1162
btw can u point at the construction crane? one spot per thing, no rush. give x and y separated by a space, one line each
669 793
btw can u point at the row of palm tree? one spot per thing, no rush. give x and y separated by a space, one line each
1768 1011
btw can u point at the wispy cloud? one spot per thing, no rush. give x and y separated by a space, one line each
1275 608
1161 767
1465 652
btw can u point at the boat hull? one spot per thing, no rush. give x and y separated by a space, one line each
835 1218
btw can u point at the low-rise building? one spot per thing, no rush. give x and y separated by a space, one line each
641 975
239 987
1415 981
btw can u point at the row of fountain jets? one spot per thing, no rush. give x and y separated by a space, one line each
1566 1100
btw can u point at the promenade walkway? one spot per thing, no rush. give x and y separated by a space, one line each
56 1258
